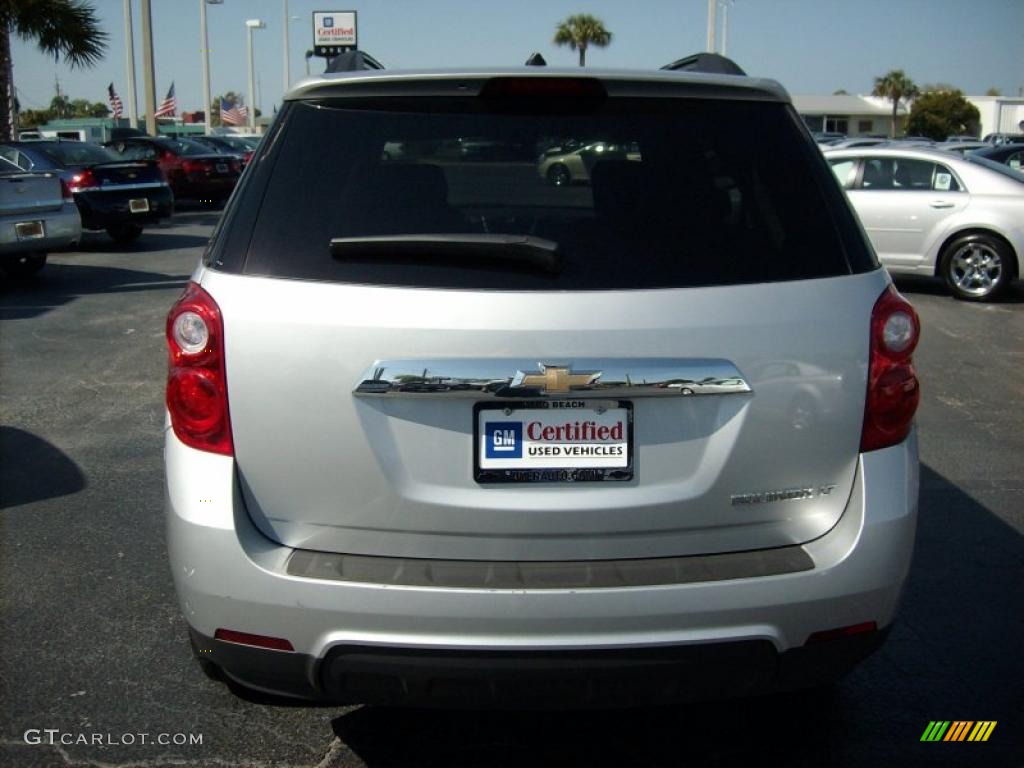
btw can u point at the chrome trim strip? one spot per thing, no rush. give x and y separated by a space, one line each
570 574
582 378
120 187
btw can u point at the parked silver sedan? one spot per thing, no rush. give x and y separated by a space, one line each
930 212
37 215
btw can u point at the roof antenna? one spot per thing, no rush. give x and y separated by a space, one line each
536 60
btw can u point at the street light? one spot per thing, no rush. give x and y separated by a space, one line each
250 25
129 41
205 42
284 34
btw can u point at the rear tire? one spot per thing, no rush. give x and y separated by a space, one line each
125 234
559 176
24 264
977 267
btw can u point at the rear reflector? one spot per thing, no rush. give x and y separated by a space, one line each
835 634
259 641
543 87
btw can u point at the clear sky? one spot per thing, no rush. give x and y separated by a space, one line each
810 46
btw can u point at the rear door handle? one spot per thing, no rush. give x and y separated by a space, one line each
940 204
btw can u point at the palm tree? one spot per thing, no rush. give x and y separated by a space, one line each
581 31
895 86
68 28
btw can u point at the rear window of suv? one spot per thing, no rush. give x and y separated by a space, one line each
630 193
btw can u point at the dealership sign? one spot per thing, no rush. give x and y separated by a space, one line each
334 32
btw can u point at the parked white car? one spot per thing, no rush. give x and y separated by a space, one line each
929 212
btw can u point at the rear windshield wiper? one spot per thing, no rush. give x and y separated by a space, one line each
513 249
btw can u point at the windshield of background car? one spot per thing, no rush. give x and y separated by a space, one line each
76 153
636 193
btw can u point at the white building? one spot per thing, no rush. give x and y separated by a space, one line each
849 114
1000 114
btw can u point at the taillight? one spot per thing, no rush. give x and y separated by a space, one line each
194 166
83 182
171 162
65 191
197 393
893 389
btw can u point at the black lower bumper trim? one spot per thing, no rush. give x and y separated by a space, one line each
539 679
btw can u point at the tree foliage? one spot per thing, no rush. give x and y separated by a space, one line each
938 114
895 86
581 31
68 29
63 107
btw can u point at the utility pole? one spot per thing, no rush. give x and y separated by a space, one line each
725 26
287 61
148 73
250 25
205 42
129 53
712 24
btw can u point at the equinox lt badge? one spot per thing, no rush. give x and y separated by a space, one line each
787 494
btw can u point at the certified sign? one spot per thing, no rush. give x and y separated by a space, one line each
334 32
551 441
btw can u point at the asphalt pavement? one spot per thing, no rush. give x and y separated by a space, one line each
94 652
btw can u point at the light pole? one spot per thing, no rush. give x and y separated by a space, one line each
725 26
287 63
148 75
250 25
129 49
205 42
712 24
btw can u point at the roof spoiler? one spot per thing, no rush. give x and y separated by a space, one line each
711 63
353 61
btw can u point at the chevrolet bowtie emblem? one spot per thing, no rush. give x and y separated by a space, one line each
555 379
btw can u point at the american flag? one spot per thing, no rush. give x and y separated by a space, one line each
169 106
233 114
116 106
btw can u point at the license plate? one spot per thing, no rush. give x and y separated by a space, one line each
29 230
139 205
553 441
222 168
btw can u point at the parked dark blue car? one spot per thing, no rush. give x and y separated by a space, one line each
111 193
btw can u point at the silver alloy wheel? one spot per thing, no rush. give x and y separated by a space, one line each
975 269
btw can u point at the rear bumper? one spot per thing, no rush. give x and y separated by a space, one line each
414 644
62 228
641 676
102 209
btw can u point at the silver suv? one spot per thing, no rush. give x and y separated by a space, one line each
440 431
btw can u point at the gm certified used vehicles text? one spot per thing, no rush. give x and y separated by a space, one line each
111 194
440 432
930 212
